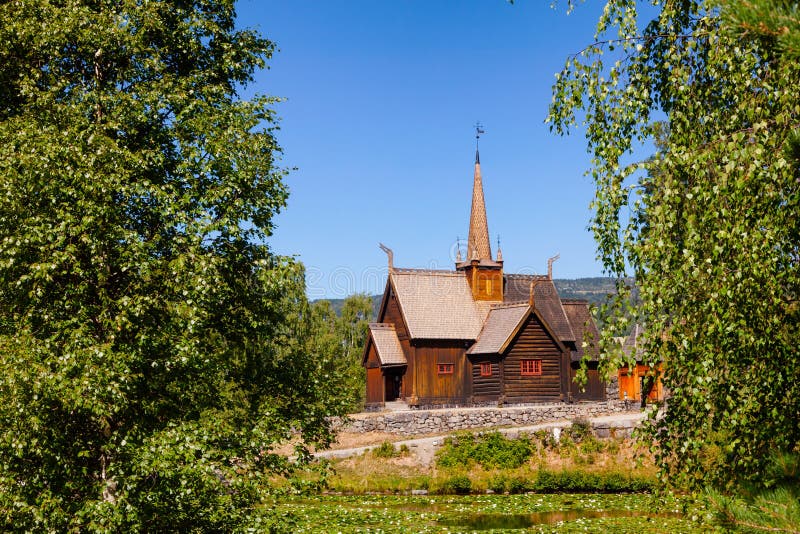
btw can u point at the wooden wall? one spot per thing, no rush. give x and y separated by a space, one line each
631 383
433 388
533 342
375 384
486 388
486 284
595 389
392 315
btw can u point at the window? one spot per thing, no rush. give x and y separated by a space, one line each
486 369
531 367
444 368
488 287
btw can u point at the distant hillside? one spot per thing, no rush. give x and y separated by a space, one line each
592 289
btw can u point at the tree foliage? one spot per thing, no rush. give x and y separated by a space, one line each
709 226
338 341
151 346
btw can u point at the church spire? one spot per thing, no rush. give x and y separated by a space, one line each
484 276
478 244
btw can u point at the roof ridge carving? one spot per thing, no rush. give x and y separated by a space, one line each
376 326
514 304
426 271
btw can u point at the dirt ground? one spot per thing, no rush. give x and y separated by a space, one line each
351 440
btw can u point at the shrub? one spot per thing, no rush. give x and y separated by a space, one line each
591 444
457 484
519 485
581 481
546 439
546 482
385 450
456 451
490 450
498 483
581 429
566 447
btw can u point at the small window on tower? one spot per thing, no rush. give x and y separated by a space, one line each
486 369
488 287
444 368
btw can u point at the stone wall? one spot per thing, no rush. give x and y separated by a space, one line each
612 387
412 422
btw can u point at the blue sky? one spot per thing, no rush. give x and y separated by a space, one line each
381 99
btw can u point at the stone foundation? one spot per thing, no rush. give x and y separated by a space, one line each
413 422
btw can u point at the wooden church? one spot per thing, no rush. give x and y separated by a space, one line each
477 335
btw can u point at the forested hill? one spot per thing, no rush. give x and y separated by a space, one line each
592 289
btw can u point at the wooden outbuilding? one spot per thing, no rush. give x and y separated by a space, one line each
642 380
475 334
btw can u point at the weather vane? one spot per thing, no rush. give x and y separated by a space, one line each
478 131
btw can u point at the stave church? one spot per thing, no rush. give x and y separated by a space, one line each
476 335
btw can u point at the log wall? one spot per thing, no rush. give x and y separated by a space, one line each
533 342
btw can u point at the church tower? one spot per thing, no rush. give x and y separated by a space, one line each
485 275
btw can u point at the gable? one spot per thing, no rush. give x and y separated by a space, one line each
518 289
501 324
389 312
584 328
534 332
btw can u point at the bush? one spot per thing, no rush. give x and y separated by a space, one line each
591 444
385 450
519 485
580 429
546 439
458 484
490 450
581 481
498 483
566 447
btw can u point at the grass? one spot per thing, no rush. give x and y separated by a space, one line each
529 463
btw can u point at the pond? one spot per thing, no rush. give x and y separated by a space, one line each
629 513
480 522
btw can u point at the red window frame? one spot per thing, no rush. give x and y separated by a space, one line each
530 367
445 368
486 369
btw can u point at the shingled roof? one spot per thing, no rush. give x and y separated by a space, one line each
517 288
500 325
580 319
632 344
437 304
386 344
